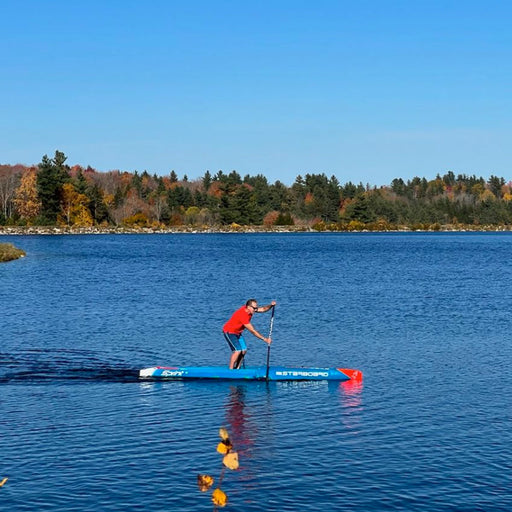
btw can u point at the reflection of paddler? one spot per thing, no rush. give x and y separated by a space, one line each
237 417
234 327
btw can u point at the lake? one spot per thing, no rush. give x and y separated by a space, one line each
425 316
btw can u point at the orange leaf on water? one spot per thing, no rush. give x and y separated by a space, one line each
231 460
224 446
204 482
219 498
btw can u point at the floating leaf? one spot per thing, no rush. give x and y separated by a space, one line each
224 446
3 481
204 482
223 433
219 498
231 460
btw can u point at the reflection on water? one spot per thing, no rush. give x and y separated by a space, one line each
350 393
242 428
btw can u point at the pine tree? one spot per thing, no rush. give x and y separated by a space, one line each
52 175
207 180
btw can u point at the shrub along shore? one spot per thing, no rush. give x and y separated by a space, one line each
8 252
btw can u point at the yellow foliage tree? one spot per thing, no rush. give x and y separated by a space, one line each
487 196
192 214
74 209
26 199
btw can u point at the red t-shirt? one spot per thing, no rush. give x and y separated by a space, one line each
236 323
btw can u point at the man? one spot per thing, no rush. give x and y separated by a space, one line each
234 327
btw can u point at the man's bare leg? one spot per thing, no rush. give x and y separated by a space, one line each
234 359
241 356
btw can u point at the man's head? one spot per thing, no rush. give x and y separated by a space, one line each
252 304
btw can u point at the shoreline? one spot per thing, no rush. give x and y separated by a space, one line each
58 230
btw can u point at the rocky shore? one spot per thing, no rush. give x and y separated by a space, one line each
57 230
234 228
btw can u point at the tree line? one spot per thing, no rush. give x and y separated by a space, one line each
53 193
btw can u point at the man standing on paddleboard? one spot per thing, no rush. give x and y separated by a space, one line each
234 327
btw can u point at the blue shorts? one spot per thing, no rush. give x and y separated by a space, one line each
236 341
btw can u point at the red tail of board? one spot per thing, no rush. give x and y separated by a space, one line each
352 374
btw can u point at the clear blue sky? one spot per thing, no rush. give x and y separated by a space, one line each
366 90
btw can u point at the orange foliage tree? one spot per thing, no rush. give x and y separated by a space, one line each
26 199
74 209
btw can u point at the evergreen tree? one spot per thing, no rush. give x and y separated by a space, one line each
495 185
360 210
160 189
227 211
280 198
234 178
137 183
398 186
96 205
284 219
80 182
119 197
51 176
207 180
333 199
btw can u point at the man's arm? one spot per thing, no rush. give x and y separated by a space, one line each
264 309
253 331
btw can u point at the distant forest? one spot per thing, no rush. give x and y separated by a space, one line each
53 193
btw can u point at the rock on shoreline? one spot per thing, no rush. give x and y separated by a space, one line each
235 228
56 230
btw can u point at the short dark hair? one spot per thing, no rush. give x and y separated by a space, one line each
250 301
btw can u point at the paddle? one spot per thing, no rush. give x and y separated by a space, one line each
270 335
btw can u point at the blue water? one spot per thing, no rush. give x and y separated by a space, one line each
426 317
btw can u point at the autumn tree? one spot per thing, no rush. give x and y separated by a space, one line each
158 206
26 199
9 182
74 209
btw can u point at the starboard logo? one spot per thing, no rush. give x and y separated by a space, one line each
298 373
172 373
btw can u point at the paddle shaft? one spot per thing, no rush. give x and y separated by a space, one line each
270 335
